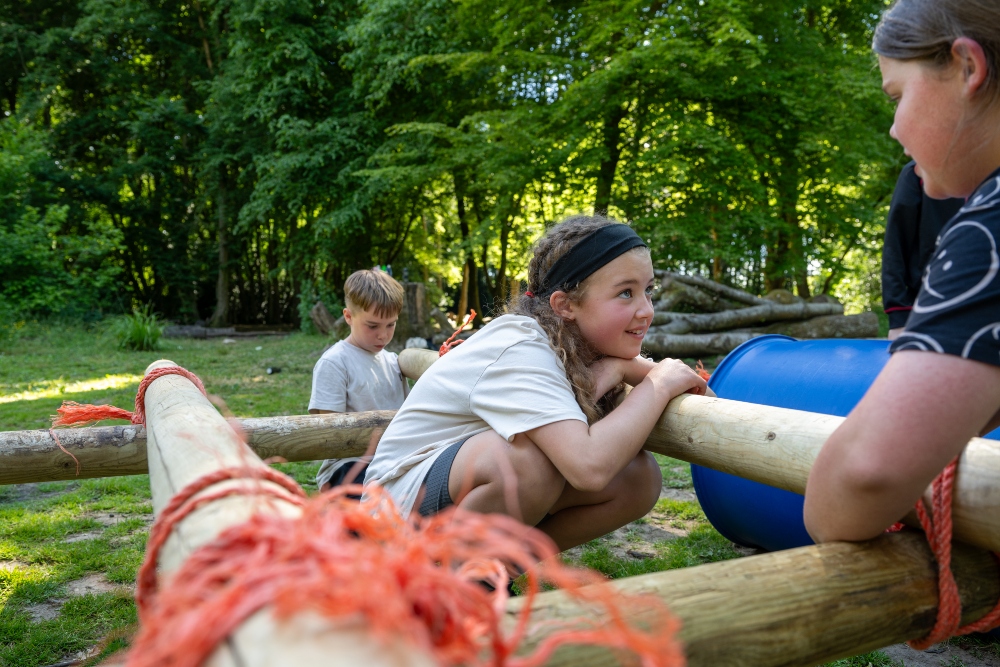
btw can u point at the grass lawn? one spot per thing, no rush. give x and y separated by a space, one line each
69 551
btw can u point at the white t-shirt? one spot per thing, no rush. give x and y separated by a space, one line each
507 378
349 379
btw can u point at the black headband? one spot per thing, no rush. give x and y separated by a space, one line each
591 253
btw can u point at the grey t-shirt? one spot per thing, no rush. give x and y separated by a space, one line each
349 379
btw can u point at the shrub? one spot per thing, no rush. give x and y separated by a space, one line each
139 331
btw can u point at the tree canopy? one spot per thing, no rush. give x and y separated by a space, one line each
235 160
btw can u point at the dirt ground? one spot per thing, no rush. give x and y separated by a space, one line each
957 653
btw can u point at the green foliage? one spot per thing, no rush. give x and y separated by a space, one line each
313 292
286 144
52 261
139 331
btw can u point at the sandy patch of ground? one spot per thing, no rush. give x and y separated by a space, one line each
82 537
92 584
11 565
115 518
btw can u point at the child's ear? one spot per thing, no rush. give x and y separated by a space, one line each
969 54
347 316
561 305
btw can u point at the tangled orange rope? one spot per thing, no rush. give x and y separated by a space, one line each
72 413
419 581
938 529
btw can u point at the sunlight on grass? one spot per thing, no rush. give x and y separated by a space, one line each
55 388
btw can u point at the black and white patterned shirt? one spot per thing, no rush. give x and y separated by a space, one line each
958 308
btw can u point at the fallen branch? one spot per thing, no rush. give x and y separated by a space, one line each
682 323
863 325
706 284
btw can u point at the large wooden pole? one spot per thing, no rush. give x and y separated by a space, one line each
777 446
110 451
187 439
797 607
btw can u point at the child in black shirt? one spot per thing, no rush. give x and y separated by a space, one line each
911 232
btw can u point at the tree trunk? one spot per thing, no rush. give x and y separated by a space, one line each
463 295
682 323
609 163
220 317
503 293
730 293
661 345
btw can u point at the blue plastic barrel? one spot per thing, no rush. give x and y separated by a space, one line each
828 376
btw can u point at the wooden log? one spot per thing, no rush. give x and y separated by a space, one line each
693 345
777 446
794 608
322 319
414 361
187 439
676 293
682 323
704 283
111 451
863 325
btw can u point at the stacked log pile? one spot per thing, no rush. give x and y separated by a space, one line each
695 316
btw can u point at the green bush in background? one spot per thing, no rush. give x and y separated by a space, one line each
139 331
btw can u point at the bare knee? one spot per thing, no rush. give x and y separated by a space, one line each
506 472
644 480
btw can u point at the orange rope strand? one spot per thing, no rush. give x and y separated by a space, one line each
76 414
938 527
418 581
448 344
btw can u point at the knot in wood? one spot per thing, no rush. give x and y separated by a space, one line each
771 435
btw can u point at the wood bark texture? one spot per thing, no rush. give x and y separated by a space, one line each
682 323
113 451
794 608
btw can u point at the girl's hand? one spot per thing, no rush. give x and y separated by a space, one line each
672 377
609 372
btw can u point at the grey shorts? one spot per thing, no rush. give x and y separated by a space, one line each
436 495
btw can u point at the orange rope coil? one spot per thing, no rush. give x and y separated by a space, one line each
419 581
938 529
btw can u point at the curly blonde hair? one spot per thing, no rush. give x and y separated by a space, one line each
573 350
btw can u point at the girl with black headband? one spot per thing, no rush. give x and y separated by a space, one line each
517 420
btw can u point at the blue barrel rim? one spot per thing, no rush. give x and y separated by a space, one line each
741 350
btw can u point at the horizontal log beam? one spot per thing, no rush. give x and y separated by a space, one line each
682 323
774 446
793 608
777 447
112 451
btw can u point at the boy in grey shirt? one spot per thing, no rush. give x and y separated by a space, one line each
358 374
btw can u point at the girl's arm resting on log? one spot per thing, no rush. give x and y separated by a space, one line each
917 416
589 457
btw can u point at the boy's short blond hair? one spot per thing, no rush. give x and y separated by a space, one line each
373 290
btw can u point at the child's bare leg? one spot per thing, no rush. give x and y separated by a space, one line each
491 475
487 466
578 516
